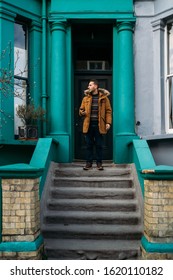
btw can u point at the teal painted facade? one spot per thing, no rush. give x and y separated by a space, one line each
51 82
51 69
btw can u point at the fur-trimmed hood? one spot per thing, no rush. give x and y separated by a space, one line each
103 92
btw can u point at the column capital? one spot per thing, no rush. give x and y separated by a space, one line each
58 24
125 25
35 26
158 25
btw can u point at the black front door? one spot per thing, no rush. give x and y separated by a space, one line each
92 48
81 83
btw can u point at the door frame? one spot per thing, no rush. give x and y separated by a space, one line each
91 73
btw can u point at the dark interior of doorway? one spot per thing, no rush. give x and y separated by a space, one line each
92 58
92 42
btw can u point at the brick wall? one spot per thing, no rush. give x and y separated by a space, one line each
158 215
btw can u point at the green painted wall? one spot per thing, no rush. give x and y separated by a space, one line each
6 64
20 7
92 6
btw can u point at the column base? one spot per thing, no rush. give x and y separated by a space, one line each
121 147
63 152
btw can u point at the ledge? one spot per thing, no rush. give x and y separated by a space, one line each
20 142
159 172
22 246
20 170
156 247
158 137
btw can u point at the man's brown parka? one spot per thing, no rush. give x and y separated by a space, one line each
104 110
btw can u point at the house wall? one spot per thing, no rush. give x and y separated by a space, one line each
149 59
149 54
143 61
160 6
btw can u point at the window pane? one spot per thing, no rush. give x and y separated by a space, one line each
92 65
20 89
170 49
20 51
20 69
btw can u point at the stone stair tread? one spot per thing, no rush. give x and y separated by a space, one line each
92 245
87 217
92 214
93 228
92 178
92 204
78 171
98 201
90 192
90 189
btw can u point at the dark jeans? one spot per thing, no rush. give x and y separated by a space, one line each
93 138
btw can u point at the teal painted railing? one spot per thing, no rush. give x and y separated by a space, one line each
45 151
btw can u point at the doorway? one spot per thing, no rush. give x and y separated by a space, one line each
92 53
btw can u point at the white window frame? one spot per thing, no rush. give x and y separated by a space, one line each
167 86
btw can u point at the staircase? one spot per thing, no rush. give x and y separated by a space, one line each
91 214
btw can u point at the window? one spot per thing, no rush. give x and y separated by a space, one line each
20 68
95 65
169 78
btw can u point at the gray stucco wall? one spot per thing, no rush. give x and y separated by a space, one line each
149 65
143 55
162 5
149 61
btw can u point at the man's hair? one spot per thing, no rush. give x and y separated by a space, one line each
95 82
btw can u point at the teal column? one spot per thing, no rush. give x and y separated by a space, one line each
123 77
44 95
125 100
58 98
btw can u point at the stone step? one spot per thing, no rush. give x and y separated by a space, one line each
69 249
72 170
92 204
89 192
93 182
84 217
91 214
92 231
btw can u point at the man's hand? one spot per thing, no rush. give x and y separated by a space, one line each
83 113
108 126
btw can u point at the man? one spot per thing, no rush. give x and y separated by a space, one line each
97 112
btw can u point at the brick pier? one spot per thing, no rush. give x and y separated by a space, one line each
20 218
158 217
